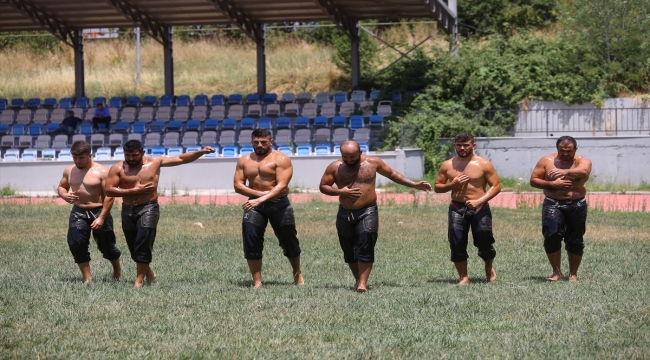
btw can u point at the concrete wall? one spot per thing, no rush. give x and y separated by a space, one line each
616 159
203 174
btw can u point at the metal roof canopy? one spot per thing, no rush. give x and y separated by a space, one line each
65 19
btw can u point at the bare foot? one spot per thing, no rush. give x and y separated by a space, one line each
137 284
573 278
257 285
464 281
362 288
490 275
87 280
298 280
151 277
117 276
555 276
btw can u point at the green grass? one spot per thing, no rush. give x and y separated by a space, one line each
520 185
202 305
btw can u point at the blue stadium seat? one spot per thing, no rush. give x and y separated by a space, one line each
265 123
193 125
86 128
201 100
34 103
29 155
4 128
3 104
252 99
283 122
48 154
356 122
167 101
397 96
303 149
139 127
116 102
99 100
66 103
119 153
321 121
18 130
339 121
340 97
322 149
157 126
64 154
35 130
217 99
121 126
230 151
149 100
228 124
270 98
286 149
133 101
194 148
174 151
49 103
364 147
246 149
17 103
374 95
103 128
235 99
247 123
51 127
174 125
103 153
158 150
183 100
217 151
211 124
337 149
302 122
82 103
376 120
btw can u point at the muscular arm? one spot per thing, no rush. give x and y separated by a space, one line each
538 178
239 182
328 180
64 185
582 168
492 179
441 186
283 174
106 208
397 177
112 187
186 158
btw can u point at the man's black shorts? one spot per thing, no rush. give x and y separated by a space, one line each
357 230
283 222
564 220
79 235
139 225
461 220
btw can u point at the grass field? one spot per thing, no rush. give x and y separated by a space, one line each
202 305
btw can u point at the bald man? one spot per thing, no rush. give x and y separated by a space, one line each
357 221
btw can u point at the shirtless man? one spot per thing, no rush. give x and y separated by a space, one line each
268 173
357 220
468 176
91 210
135 180
562 176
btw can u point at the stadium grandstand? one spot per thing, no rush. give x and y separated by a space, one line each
302 124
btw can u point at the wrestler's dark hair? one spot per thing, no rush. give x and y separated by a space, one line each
133 145
566 138
80 148
463 137
261 133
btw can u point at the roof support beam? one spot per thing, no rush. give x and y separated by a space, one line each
340 18
141 19
246 23
447 18
47 21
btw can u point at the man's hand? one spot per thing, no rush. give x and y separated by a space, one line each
561 183
459 180
556 173
208 150
70 197
251 204
97 224
352 193
144 188
422 185
473 204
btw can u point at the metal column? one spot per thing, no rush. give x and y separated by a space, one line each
79 79
453 44
168 49
261 63
354 56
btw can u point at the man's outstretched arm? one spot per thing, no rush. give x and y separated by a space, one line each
397 177
186 158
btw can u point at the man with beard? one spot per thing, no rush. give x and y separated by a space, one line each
268 173
135 180
91 211
357 220
562 176
469 176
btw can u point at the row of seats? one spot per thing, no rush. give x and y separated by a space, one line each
142 127
189 138
356 96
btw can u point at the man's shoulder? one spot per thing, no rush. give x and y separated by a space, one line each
99 167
